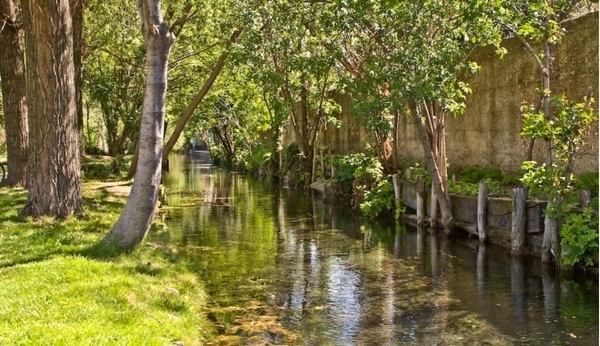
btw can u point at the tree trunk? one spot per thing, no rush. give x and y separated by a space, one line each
77 16
187 114
437 182
396 143
135 221
12 76
550 242
54 180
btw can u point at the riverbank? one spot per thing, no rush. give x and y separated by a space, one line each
57 288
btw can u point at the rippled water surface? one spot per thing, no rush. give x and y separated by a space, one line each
285 267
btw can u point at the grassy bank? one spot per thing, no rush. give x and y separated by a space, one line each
56 288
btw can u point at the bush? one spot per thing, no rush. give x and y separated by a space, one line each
260 159
476 174
104 167
345 169
588 181
472 189
579 237
373 193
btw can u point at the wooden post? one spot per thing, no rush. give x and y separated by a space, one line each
420 200
322 162
434 209
482 202
408 173
584 198
519 220
313 175
481 270
397 190
332 166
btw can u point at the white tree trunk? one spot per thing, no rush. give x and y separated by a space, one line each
136 219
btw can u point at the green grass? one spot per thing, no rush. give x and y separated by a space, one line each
56 288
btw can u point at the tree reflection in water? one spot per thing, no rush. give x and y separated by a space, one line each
284 267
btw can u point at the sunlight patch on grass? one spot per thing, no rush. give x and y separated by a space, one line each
58 288
74 300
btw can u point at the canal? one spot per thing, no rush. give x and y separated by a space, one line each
284 267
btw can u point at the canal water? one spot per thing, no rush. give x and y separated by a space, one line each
284 267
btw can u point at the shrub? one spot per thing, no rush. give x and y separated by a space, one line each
588 181
477 174
260 159
373 193
579 237
345 169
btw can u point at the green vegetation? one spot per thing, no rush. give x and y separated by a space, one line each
105 168
567 129
56 288
467 181
588 181
345 169
579 237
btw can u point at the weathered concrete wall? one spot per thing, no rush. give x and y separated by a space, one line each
488 133
348 137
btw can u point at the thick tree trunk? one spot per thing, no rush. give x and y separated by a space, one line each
135 221
12 76
77 16
54 180
437 182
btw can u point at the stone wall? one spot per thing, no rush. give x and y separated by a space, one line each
488 133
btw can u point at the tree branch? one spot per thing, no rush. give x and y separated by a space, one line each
185 17
526 45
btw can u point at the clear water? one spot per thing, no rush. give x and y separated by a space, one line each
283 266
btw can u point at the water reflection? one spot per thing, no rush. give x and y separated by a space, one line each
284 268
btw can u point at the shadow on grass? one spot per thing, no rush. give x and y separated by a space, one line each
25 240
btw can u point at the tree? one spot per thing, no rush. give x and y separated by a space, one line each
135 221
287 56
567 129
189 111
54 181
540 22
114 72
415 54
12 76
78 47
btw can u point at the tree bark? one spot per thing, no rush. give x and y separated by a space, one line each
12 76
77 17
54 180
134 223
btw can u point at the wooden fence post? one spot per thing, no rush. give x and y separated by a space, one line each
584 198
421 200
408 173
482 202
434 209
519 220
397 190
